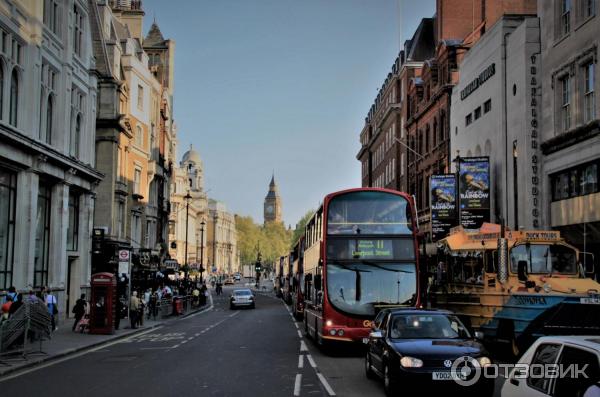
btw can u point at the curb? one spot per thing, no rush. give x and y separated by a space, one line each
68 352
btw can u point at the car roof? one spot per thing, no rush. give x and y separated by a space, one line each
591 341
405 310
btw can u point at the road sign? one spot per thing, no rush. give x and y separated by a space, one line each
123 255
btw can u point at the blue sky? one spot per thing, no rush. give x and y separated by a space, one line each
283 85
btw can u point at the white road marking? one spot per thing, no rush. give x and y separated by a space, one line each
311 361
325 384
297 384
303 347
296 325
70 357
301 361
190 338
299 334
154 348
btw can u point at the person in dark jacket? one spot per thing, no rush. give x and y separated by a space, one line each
79 310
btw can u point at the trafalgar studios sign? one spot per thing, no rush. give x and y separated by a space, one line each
443 205
474 191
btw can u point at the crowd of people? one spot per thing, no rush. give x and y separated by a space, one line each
13 300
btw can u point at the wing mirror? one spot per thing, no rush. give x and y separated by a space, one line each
376 335
478 335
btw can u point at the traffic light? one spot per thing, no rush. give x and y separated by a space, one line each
257 267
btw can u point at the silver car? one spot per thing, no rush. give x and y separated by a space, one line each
242 298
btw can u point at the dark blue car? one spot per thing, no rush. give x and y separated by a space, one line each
417 349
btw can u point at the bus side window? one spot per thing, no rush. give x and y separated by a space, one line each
308 286
490 261
318 290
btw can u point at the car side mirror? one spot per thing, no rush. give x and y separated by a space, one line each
376 335
478 335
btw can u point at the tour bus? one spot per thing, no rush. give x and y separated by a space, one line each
298 280
533 285
360 256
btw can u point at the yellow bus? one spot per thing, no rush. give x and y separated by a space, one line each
532 285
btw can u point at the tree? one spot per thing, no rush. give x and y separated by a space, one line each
273 240
299 231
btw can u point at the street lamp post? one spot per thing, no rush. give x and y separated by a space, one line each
202 224
187 198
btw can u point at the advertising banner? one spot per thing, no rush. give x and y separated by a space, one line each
443 205
474 189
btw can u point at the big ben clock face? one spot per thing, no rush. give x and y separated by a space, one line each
270 209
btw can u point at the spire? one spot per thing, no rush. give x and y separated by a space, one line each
272 184
154 35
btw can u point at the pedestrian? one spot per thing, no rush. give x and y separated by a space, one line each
6 308
140 318
12 292
52 305
17 303
153 305
79 310
134 307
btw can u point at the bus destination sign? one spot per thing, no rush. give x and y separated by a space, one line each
383 249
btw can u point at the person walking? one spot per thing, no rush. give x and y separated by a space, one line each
134 307
79 310
52 305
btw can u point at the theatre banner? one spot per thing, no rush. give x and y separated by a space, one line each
443 205
474 191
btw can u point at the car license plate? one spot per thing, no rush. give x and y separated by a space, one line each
365 340
593 299
441 375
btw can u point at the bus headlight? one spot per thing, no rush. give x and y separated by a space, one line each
484 361
332 332
341 332
328 323
411 362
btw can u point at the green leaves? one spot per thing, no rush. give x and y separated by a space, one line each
273 240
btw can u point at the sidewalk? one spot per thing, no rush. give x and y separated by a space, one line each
65 342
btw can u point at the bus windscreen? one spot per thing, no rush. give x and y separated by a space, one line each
368 213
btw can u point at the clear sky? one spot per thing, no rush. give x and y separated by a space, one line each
283 85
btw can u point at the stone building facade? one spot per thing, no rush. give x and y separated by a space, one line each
569 137
493 117
222 239
47 123
134 142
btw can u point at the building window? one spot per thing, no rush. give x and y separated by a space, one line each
566 103
8 184
577 181
1 91
589 102
52 15
136 229
487 106
42 237
73 228
75 136
565 17
140 97
120 218
139 136
14 98
137 177
49 118
468 119
78 32
477 112
589 8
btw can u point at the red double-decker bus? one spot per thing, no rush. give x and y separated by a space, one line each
361 255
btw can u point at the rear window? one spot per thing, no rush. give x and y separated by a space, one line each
242 293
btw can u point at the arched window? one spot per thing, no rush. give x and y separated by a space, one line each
14 97
49 119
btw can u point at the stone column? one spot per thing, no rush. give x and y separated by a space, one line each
25 229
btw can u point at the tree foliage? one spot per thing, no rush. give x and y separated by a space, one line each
300 227
273 240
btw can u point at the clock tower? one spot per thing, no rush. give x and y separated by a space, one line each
272 209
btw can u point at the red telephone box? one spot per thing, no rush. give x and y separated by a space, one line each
102 311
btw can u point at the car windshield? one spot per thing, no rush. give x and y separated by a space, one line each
242 293
544 258
427 326
359 288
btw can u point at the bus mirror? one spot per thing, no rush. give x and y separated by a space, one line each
587 262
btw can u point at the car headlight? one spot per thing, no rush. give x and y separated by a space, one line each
484 361
411 362
547 288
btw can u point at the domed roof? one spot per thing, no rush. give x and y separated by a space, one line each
191 156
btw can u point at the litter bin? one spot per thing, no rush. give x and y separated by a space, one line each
177 305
